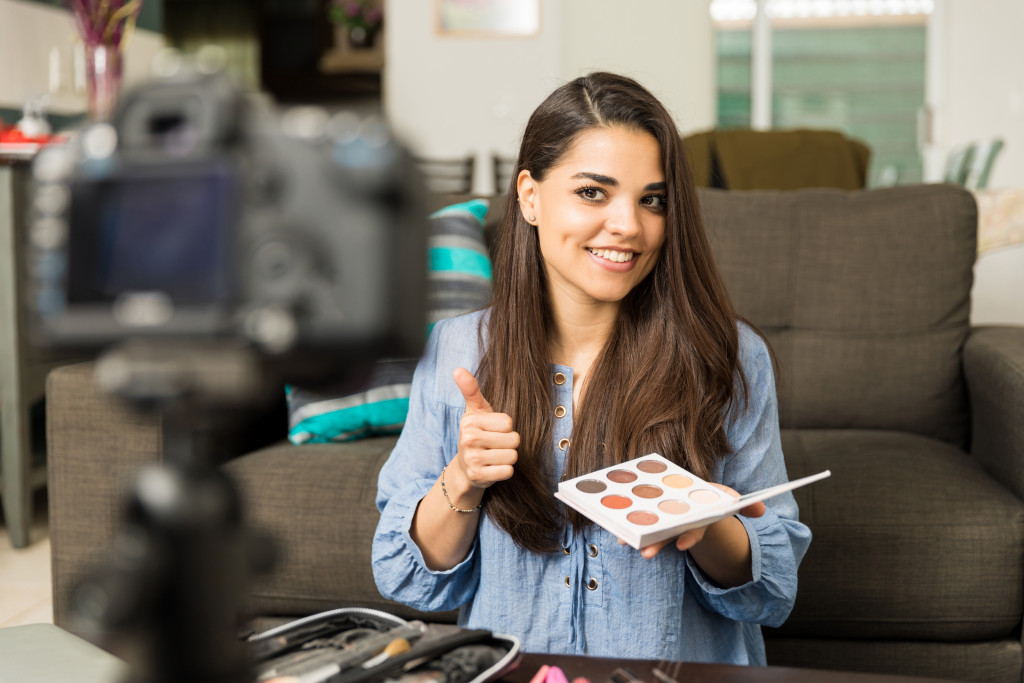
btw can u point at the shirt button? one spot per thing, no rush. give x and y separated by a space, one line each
566 580
563 444
559 378
591 585
560 411
593 550
565 550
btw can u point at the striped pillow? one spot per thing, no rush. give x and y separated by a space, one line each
459 281
459 268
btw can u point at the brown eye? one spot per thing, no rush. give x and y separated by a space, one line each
654 201
591 194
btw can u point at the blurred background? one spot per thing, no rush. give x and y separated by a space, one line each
931 88
914 79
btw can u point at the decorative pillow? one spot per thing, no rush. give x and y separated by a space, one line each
459 281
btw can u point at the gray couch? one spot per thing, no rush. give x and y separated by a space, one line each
917 563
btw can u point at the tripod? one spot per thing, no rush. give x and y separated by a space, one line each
172 591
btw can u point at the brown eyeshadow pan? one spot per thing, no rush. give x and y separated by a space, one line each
591 486
642 517
621 476
616 502
646 491
651 466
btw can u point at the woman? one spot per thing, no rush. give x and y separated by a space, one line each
610 336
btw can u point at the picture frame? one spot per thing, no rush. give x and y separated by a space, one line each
487 18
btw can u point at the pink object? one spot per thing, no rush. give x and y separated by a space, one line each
541 674
556 675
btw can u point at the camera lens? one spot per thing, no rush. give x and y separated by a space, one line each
99 141
51 200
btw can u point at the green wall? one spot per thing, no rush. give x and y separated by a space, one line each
57 121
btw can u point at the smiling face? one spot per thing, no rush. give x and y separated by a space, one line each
599 215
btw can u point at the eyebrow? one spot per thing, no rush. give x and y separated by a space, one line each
608 180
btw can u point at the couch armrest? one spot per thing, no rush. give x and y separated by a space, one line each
994 368
94 443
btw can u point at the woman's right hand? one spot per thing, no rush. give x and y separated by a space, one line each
486 454
487 440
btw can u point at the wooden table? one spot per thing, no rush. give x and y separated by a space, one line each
597 670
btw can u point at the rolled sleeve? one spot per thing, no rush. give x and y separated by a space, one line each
402 574
422 450
778 541
768 597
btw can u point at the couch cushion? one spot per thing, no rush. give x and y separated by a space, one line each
994 661
317 502
459 281
923 543
865 297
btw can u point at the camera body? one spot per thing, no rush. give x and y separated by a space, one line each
199 215
219 249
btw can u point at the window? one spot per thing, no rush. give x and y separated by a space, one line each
852 65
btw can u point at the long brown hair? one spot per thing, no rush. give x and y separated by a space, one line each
665 378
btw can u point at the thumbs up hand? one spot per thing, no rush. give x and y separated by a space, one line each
487 440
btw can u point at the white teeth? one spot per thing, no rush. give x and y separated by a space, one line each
612 255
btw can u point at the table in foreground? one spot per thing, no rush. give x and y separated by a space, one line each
598 670
44 653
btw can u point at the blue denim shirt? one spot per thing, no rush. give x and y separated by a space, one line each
599 598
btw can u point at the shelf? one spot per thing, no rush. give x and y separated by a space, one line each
22 370
340 61
344 58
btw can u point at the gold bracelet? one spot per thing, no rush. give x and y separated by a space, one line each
449 500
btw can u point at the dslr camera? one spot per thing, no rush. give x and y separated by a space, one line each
199 215
219 248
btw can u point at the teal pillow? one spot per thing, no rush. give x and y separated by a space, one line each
459 281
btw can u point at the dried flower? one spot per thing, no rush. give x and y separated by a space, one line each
362 14
105 22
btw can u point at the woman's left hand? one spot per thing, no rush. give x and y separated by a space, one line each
688 539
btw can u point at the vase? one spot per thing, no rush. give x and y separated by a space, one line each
355 37
103 70
360 39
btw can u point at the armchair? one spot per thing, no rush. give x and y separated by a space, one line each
917 562
742 159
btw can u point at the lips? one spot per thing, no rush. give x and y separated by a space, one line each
613 255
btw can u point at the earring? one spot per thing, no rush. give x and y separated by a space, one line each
531 218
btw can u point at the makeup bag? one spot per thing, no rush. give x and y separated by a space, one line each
361 645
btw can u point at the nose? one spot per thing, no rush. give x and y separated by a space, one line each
624 219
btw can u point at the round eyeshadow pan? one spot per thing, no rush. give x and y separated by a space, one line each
677 481
621 476
642 518
674 507
616 502
704 496
651 466
646 491
591 486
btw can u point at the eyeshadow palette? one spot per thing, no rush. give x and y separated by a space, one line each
650 499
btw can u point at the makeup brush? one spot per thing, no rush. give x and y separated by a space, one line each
395 647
